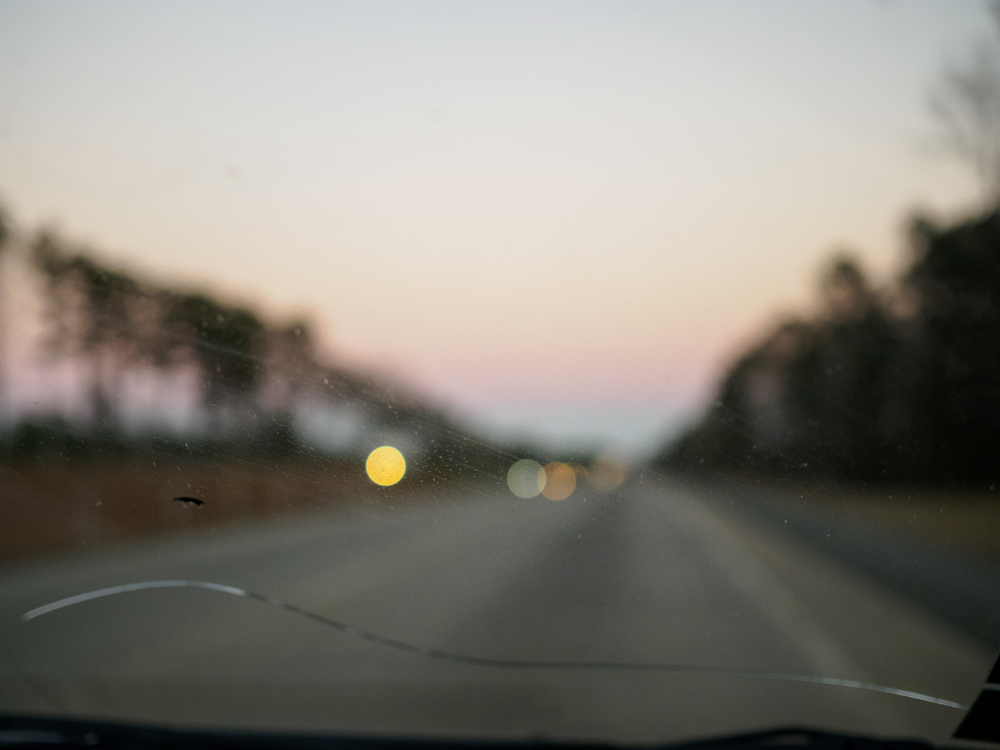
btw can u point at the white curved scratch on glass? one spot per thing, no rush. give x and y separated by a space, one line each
485 661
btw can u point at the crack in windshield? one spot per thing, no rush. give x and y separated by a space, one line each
432 653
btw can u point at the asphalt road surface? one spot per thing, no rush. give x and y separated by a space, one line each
654 573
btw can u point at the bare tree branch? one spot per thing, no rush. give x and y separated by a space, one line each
966 103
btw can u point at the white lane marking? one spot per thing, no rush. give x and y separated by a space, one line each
723 548
741 568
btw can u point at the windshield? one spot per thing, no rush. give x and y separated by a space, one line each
590 371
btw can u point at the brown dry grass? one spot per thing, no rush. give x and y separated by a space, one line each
54 506
961 521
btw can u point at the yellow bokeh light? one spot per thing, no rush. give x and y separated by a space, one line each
385 465
526 478
560 481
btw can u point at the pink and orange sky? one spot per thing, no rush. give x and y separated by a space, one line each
560 217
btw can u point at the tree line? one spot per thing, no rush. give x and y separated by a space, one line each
253 378
895 385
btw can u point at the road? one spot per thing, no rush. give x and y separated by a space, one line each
654 573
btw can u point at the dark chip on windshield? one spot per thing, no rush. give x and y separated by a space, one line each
189 501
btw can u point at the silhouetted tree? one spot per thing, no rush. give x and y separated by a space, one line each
292 364
5 238
5 230
116 321
254 379
225 344
91 306
872 389
955 348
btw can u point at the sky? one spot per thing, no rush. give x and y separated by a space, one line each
561 219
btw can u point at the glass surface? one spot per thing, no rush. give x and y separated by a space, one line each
605 371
